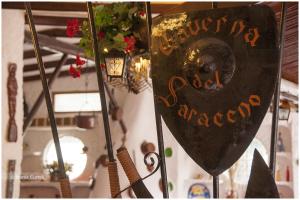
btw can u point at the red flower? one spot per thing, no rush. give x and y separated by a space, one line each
101 35
72 27
74 72
142 13
102 66
79 61
130 43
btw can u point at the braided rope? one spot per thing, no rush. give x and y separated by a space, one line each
128 165
114 179
65 188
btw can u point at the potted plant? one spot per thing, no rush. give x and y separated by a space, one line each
53 170
120 26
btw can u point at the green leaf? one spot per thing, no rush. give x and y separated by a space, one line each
98 8
117 20
131 12
119 38
120 8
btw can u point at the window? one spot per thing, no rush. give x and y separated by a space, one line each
77 102
71 148
245 162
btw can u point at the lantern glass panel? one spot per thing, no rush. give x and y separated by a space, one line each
114 66
284 113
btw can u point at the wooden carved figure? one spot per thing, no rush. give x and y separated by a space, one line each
10 178
12 90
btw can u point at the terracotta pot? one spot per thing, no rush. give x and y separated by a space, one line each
147 147
117 114
85 121
102 160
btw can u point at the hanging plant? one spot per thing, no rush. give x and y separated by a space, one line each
53 169
118 27
75 72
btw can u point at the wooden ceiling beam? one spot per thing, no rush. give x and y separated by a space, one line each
65 73
52 43
58 32
47 6
52 21
50 64
76 7
31 54
159 8
194 6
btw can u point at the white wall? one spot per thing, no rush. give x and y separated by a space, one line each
295 152
140 121
12 52
94 139
37 140
32 90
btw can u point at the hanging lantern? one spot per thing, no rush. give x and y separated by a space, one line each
115 63
138 73
141 66
284 110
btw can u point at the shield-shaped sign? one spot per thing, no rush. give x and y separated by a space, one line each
214 74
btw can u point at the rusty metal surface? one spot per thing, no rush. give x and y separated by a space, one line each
261 183
215 73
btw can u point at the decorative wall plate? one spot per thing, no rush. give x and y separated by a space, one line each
198 191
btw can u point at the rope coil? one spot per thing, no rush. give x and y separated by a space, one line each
128 165
132 173
65 188
114 179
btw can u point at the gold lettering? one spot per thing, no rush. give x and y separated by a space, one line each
218 79
230 114
207 83
247 107
203 120
173 90
194 32
219 22
254 100
217 119
197 81
253 33
192 112
183 111
205 22
234 26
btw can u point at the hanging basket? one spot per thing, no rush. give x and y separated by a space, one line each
85 121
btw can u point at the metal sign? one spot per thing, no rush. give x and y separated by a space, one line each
214 73
261 183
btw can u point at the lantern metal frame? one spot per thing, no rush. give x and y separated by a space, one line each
113 54
284 109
